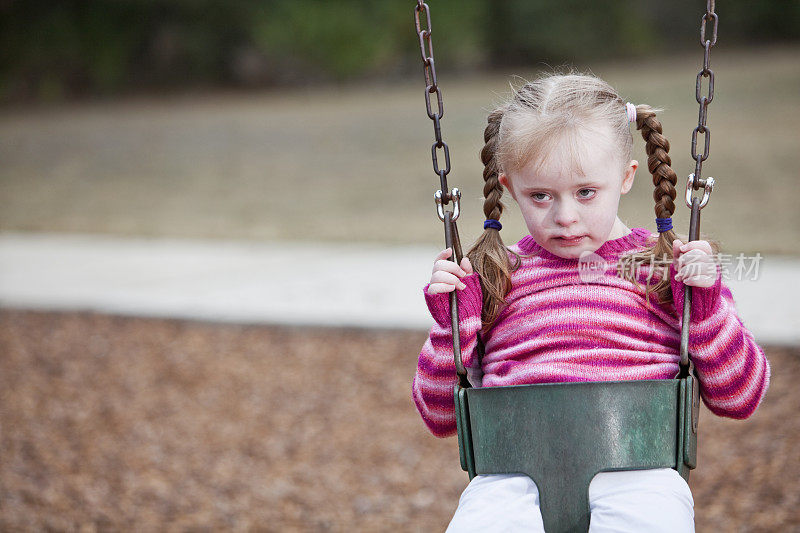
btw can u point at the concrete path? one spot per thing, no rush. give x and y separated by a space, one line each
285 283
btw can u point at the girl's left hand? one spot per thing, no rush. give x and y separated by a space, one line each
694 263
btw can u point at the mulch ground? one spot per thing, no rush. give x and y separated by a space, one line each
119 423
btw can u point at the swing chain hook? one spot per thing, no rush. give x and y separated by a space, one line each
455 196
706 183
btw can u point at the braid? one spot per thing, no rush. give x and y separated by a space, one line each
492 190
664 180
658 162
489 256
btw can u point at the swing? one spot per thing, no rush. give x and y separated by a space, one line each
610 425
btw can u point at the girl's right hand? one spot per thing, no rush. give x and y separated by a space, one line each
447 274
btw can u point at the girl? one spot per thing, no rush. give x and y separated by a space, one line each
562 147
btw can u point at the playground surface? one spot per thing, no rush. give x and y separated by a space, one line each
183 384
143 424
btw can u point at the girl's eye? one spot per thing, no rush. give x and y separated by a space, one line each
588 193
539 196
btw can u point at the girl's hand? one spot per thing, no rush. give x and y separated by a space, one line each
694 263
447 274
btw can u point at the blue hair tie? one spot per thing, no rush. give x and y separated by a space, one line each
664 224
492 223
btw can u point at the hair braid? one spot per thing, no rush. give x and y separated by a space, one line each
489 256
664 194
658 161
492 190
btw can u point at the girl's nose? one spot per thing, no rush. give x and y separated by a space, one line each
565 214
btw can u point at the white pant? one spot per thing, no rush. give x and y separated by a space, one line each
653 501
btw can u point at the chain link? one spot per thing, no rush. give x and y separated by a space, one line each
704 99
422 24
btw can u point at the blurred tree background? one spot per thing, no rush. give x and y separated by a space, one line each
56 50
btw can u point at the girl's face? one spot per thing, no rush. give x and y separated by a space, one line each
571 208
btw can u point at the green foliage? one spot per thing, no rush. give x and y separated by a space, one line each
351 38
569 30
344 38
52 50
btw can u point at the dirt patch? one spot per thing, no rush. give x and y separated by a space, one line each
113 423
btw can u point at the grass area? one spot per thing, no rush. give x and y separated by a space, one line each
353 164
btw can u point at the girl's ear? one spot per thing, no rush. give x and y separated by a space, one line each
630 174
503 179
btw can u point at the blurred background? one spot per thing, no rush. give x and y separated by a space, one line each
145 143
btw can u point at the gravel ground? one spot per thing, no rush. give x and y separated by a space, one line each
118 423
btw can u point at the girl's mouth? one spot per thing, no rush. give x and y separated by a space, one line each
570 242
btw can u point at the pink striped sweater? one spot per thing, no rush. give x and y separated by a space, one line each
558 327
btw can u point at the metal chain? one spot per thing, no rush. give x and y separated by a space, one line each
695 181
444 195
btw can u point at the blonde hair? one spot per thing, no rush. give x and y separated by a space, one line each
540 114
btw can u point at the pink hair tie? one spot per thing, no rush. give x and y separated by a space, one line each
631 110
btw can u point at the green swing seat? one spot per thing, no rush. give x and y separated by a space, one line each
562 434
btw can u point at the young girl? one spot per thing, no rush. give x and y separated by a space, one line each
562 147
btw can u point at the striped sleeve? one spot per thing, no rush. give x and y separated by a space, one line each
432 387
732 369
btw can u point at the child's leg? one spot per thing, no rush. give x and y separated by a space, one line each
657 500
498 502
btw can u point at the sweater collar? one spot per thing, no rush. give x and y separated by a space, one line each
637 238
